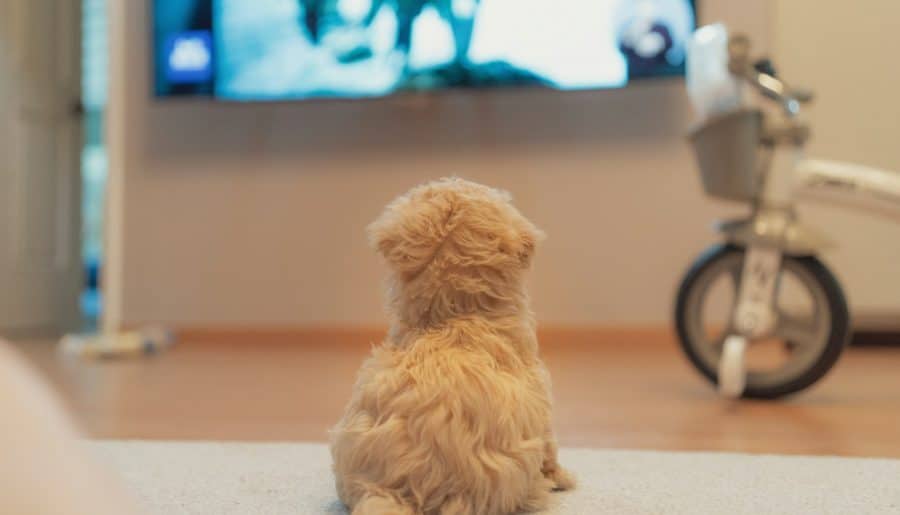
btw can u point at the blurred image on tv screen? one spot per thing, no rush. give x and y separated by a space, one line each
295 49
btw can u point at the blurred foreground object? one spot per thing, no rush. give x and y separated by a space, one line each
143 342
45 469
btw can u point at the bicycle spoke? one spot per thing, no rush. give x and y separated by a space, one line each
795 329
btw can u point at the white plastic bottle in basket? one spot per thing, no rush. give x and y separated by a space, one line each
712 88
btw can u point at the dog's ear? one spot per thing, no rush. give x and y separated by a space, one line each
407 234
529 237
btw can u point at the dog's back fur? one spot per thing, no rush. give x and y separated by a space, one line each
451 414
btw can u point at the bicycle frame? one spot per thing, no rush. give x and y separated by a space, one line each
853 178
774 223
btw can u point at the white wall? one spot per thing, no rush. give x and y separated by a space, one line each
245 215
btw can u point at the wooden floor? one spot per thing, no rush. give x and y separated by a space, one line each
622 394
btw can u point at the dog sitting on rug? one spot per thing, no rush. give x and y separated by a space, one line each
451 413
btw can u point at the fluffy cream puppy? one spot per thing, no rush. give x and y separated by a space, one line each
451 413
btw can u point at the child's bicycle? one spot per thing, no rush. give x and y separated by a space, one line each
760 315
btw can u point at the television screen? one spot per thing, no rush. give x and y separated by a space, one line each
247 50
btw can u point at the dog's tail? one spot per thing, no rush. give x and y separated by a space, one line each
380 503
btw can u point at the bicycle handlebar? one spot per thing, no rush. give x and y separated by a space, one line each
762 76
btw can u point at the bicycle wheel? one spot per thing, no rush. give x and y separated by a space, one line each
811 331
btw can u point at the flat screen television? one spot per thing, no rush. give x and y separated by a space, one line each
257 50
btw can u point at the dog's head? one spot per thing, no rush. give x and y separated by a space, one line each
454 247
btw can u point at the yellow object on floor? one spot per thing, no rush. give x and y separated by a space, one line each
127 344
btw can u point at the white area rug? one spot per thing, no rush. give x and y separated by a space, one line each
295 479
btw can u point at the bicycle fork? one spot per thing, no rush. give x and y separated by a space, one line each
754 315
